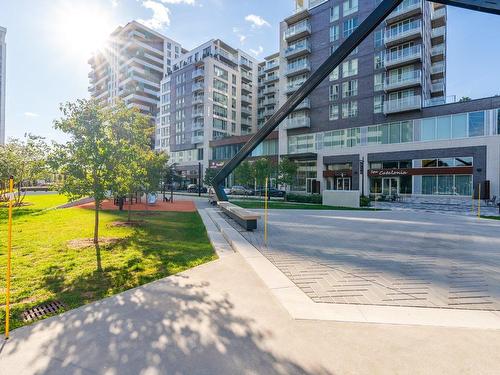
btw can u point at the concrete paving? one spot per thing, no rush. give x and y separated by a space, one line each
220 318
401 258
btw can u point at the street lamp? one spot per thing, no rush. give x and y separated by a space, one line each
362 172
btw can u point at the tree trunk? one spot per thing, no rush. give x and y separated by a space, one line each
96 237
129 208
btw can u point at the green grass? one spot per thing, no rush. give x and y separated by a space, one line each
295 206
44 268
491 217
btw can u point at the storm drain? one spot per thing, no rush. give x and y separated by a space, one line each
40 311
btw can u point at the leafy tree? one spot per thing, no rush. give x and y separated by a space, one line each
465 99
287 172
26 161
244 174
262 168
210 173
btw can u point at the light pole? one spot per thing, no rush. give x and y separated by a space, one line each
199 179
362 172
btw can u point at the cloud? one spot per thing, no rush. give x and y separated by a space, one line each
257 52
31 114
242 37
188 2
256 21
161 15
114 3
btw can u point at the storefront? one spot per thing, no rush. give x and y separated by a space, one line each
338 176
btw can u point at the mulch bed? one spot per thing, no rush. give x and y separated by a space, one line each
83 243
133 223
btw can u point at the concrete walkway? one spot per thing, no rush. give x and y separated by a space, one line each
219 318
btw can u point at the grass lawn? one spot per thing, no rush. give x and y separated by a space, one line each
44 268
290 205
491 217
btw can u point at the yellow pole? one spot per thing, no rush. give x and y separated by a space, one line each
479 202
265 214
9 251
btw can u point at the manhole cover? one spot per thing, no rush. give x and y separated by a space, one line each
40 311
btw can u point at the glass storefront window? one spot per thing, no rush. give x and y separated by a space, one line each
429 163
459 126
445 185
476 124
463 185
395 132
444 127
464 162
428 185
373 135
428 129
407 131
449 162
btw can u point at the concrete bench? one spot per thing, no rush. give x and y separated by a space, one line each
245 218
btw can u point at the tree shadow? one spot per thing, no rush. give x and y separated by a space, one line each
170 326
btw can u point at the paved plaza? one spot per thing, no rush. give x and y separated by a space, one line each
387 258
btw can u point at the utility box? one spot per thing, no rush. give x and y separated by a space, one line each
341 198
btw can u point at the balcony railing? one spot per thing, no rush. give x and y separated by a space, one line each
198 113
438 32
197 139
403 10
198 99
305 104
270 66
198 73
438 50
198 124
298 122
269 102
246 87
198 86
303 66
303 27
437 68
395 34
402 56
437 87
294 87
246 98
246 111
271 78
298 48
247 75
395 82
404 104
438 13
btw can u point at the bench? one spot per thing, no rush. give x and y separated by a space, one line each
245 218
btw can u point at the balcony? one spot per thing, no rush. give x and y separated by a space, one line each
269 101
437 88
271 78
298 122
438 35
198 124
405 10
437 70
198 99
198 73
246 63
298 31
438 52
246 99
226 56
298 68
271 66
397 35
197 139
305 104
246 87
409 103
197 113
246 76
438 17
397 82
247 111
200 86
403 56
298 49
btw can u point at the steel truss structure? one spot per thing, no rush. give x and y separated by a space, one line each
360 34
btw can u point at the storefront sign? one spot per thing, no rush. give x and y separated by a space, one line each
388 172
394 172
342 173
216 164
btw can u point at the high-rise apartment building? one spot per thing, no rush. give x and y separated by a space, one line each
131 67
381 122
268 93
3 59
210 94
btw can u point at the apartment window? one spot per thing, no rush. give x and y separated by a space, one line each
220 85
334 33
334 13
334 112
180 114
334 92
350 7
378 60
220 98
378 81
333 48
220 111
221 73
179 102
350 109
234 79
350 88
476 124
379 38
378 103
350 68
350 25
233 90
220 124
180 90
334 75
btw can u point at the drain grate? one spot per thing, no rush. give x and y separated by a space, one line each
40 311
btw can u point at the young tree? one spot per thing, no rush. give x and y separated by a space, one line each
262 168
244 174
287 172
210 173
88 159
25 160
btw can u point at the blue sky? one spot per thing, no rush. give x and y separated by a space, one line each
46 67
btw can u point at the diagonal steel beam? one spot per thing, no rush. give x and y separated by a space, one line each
485 6
361 32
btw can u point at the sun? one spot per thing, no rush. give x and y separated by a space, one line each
80 29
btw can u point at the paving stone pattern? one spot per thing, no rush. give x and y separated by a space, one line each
421 262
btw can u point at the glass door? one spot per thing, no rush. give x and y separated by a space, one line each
390 186
343 183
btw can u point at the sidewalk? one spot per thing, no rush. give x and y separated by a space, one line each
220 318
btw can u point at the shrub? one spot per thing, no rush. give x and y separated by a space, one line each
302 198
364 201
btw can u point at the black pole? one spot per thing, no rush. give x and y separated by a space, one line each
199 179
362 171
172 169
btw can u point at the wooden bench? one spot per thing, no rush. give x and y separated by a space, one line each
245 218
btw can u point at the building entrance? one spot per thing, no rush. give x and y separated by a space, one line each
390 186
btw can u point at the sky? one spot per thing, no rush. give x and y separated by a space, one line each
49 43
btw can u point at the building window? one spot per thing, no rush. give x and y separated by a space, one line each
334 33
350 109
334 112
334 92
334 13
350 68
334 75
476 124
349 26
378 103
221 73
220 111
378 81
220 98
350 88
379 38
220 85
378 60
350 7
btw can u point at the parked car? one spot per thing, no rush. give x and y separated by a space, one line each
241 190
271 192
193 188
